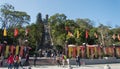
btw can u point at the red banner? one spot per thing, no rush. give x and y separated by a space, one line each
21 51
12 48
86 34
15 32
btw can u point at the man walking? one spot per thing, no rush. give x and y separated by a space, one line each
78 60
35 58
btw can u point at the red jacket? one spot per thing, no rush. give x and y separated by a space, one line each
10 59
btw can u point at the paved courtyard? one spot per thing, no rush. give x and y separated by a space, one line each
97 66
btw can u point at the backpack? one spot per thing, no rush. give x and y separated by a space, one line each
65 57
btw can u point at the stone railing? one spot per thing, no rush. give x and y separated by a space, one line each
52 61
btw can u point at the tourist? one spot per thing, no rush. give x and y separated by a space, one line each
58 60
63 59
35 58
78 60
2 60
10 61
16 62
20 61
27 59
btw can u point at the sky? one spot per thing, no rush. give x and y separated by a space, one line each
106 12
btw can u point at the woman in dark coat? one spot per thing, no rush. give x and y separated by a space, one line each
78 60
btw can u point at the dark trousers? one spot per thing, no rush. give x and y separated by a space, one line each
26 63
58 63
16 65
78 63
1 63
34 62
10 66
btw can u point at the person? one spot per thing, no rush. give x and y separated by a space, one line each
68 62
63 59
2 60
16 62
10 61
40 52
53 55
25 50
78 60
20 62
27 59
58 60
35 58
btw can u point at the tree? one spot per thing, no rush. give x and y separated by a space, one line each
104 38
37 33
19 19
84 23
57 25
10 18
5 14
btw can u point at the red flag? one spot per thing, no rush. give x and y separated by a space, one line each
86 34
114 36
118 36
95 34
26 32
70 34
21 51
15 32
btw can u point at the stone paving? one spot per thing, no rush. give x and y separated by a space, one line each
97 66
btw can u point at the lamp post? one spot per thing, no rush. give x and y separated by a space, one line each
85 56
86 40
66 48
26 49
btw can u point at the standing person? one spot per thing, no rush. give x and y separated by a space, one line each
63 59
25 50
2 60
10 61
35 58
16 62
20 62
58 60
27 59
78 60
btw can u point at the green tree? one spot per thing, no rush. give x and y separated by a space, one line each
57 27
5 11
82 25
11 18
36 33
104 38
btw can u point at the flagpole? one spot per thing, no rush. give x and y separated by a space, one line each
85 48
114 46
66 42
4 40
86 40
